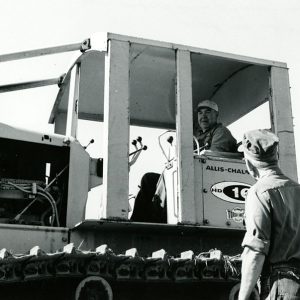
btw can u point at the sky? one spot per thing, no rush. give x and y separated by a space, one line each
268 29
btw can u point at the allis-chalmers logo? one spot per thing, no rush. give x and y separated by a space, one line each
231 191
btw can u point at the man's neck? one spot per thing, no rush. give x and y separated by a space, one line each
208 128
274 169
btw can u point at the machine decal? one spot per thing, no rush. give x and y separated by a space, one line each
229 170
236 214
231 191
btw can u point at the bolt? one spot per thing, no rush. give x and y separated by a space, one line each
204 190
228 223
205 222
203 160
64 239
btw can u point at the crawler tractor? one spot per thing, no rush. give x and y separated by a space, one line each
53 248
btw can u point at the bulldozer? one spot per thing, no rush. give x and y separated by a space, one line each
53 246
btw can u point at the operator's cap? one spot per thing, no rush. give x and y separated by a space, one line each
260 147
208 103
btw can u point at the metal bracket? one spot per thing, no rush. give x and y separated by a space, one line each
86 45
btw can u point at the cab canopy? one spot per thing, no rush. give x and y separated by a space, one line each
237 84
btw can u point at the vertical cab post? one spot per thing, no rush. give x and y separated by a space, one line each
72 116
184 122
116 131
282 121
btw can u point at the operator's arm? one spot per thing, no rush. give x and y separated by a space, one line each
251 268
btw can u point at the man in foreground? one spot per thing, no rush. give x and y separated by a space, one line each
272 212
150 203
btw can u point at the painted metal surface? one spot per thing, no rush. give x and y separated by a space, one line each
73 102
45 51
220 190
91 88
150 237
30 84
78 185
20 239
224 55
116 132
282 120
184 138
242 91
171 179
15 133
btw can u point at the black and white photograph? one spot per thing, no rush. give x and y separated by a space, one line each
149 149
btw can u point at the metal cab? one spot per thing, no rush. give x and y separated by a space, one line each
133 81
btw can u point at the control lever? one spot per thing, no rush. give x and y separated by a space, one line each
138 149
90 142
139 139
170 140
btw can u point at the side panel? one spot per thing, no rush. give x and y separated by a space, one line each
171 179
220 189
19 239
78 184
60 123
223 191
198 186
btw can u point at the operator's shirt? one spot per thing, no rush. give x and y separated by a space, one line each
272 212
217 138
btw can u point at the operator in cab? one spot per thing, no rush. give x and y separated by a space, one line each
150 203
211 134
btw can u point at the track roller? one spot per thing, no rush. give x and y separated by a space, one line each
93 288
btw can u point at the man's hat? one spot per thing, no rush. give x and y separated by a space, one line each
208 103
260 147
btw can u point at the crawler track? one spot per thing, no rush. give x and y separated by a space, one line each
59 273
